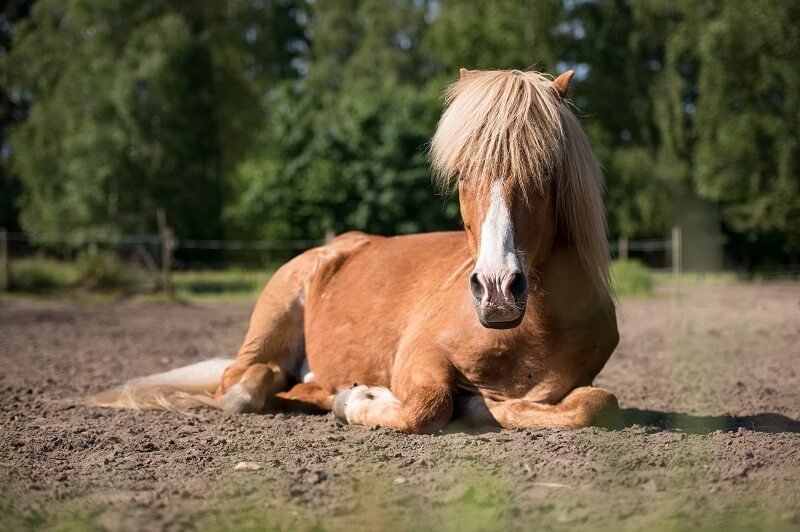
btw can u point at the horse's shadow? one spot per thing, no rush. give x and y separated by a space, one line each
691 424
658 421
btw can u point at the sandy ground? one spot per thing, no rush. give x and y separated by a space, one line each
709 381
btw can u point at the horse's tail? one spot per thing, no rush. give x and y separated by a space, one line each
177 389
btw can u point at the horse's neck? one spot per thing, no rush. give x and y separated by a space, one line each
563 290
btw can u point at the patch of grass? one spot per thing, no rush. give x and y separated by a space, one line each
219 285
92 270
41 274
104 271
665 277
631 278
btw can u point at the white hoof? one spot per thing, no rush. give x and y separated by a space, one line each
236 400
364 405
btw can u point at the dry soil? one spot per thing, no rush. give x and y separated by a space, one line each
707 375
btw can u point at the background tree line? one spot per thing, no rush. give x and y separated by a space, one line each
291 118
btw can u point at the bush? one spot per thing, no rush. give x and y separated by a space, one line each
39 274
102 270
631 278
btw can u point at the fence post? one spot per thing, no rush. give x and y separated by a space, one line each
622 248
3 259
676 252
166 237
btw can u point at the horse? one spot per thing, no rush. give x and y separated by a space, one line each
505 323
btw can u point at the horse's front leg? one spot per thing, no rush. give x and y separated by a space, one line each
420 400
585 406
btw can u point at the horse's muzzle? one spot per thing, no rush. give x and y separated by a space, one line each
499 299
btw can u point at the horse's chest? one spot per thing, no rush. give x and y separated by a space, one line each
533 371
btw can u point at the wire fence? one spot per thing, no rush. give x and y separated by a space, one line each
164 252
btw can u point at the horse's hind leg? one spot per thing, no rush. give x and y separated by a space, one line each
273 345
274 348
583 407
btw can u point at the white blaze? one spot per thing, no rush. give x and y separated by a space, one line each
497 255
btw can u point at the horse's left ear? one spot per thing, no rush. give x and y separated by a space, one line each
561 83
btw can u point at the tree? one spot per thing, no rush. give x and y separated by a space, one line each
346 148
747 125
13 109
139 105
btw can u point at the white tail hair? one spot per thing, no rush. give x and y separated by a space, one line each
176 390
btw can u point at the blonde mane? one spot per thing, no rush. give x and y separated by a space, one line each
512 126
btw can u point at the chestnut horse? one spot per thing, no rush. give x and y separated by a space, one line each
507 322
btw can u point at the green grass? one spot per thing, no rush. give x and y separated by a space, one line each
92 270
632 278
100 272
211 285
41 274
663 277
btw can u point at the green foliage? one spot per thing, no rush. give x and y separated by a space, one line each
292 118
12 112
748 119
484 34
363 168
102 270
631 278
128 109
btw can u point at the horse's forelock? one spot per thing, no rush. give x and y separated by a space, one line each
513 127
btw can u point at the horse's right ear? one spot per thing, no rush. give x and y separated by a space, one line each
463 73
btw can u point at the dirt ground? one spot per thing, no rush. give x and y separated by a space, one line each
708 379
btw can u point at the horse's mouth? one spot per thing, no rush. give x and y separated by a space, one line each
501 317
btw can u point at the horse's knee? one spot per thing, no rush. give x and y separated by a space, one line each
248 391
427 425
428 412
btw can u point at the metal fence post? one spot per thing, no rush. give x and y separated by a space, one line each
166 236
167 246
622 248
3 259
676 251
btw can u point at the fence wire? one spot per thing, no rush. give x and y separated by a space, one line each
194 253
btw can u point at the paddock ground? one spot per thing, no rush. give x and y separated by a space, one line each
708 377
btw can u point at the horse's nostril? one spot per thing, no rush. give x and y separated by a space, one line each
518 286
475 286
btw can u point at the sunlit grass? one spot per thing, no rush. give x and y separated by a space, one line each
92 270
661 277
41 274
219 285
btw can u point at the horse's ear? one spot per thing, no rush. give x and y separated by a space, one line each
561 83
463 73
